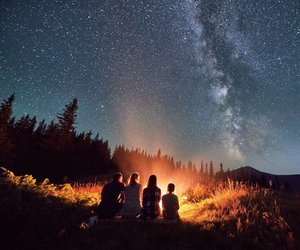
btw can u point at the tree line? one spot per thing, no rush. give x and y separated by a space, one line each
53 150
58 152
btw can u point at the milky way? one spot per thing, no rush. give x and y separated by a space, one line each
202 79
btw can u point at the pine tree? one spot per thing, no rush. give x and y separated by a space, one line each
6 144
6 111
202 168
57 146
206 169
211 170
172 164
194 169
158 155
221 168
190 166
41 129
67 120
221 172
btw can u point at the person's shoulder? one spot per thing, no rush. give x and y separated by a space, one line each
107 185
119 185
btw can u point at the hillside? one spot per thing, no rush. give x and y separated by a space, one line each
224 216
289 182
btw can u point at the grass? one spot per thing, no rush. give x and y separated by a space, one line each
224 215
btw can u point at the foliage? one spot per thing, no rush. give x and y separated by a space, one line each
57 151
65 192
236 211
221 215
239 210
6 145
53 150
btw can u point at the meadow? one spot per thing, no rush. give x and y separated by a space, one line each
214 215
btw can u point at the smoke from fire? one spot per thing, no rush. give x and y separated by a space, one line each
164 167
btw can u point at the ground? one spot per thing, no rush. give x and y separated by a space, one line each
222 215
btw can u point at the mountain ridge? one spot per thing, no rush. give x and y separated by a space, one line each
290 182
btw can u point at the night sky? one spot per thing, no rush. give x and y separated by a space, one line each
200 79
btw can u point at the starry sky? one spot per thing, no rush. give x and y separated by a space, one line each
201 79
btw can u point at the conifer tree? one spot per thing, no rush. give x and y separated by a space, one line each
211 170
201 168
67 120
6 145
41 129
158 155
172 164
221 172
190 166
6 111
194 169
221 168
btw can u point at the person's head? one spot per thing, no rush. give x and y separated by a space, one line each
171 187
152 182
118 177
134 179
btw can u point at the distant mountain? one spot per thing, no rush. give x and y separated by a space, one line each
290 182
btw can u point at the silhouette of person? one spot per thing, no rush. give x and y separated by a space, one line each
132 195
170 204
111 198
151 199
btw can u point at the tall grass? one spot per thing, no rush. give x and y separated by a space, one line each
238 211
86 196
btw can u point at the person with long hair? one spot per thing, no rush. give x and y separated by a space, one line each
132 193
151 199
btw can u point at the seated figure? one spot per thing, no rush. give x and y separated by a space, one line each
170 204
151 199
132 193
111 198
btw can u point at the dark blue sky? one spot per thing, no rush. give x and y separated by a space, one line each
203 79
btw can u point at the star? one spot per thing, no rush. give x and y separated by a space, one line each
198 79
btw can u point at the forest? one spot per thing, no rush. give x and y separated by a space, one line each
57 151
51 178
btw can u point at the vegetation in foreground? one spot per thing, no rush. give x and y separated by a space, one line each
227 215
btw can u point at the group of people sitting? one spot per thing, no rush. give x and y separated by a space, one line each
132 201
